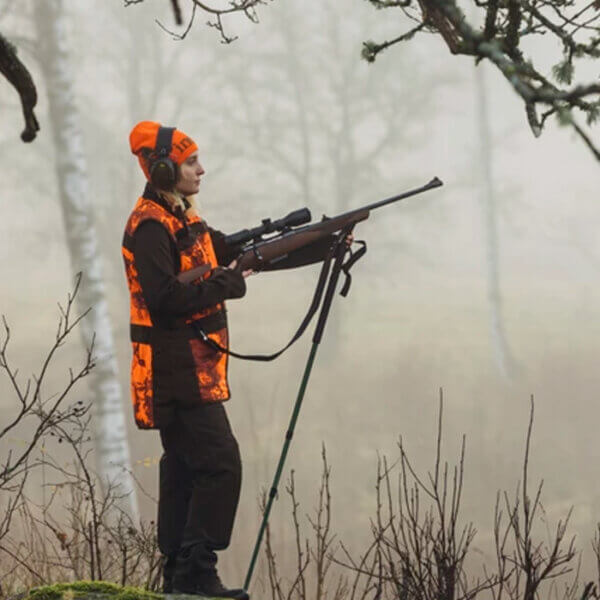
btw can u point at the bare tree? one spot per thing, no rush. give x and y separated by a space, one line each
112 451
497 35
504 358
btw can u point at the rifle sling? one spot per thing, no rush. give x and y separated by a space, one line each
314 305
354 257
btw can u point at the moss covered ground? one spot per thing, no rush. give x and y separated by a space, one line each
96 590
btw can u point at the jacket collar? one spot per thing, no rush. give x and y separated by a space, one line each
150 193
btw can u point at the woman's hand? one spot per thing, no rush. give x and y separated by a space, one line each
349 239
233 265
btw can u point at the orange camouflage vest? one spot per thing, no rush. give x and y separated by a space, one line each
195 248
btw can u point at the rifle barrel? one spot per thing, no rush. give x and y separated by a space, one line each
435 182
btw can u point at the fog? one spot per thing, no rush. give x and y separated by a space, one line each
289 115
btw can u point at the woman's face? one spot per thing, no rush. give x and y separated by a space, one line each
190 172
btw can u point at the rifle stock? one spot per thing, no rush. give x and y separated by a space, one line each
258 254
191 275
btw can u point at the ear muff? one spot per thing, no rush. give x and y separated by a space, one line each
163 171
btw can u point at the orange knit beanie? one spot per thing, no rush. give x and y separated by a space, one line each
142 141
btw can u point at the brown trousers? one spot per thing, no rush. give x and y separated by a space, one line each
200 478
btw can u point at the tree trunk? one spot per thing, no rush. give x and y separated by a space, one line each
501 349
112 450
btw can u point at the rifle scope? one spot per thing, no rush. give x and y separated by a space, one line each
297 217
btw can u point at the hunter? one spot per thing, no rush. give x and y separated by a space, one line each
178 382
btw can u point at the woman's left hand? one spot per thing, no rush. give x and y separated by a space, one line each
233 265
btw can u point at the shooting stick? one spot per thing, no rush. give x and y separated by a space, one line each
339 251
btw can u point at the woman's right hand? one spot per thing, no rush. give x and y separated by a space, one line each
230 281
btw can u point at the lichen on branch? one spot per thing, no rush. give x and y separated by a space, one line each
496 32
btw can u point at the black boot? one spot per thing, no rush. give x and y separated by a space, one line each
195 573
168 570
209 584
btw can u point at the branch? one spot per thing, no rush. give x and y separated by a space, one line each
506 24
32 404
371 49
245 7
19 77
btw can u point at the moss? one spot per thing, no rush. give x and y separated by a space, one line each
97 590
80 589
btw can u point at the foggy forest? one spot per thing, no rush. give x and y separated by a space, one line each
447 443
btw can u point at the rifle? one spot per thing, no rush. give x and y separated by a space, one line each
263 251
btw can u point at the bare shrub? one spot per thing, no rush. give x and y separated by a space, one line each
40 414
315 555
419 544
78 531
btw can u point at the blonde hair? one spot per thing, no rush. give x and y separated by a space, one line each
177 202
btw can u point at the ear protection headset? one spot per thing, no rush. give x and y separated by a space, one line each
163 171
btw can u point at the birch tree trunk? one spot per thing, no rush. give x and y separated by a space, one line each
112 450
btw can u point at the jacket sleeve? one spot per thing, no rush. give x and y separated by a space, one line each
306 255
155 259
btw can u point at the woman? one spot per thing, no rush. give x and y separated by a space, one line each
179 383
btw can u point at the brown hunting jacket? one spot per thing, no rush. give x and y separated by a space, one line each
171 365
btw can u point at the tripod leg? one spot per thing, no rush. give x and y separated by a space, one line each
340 252
288 438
